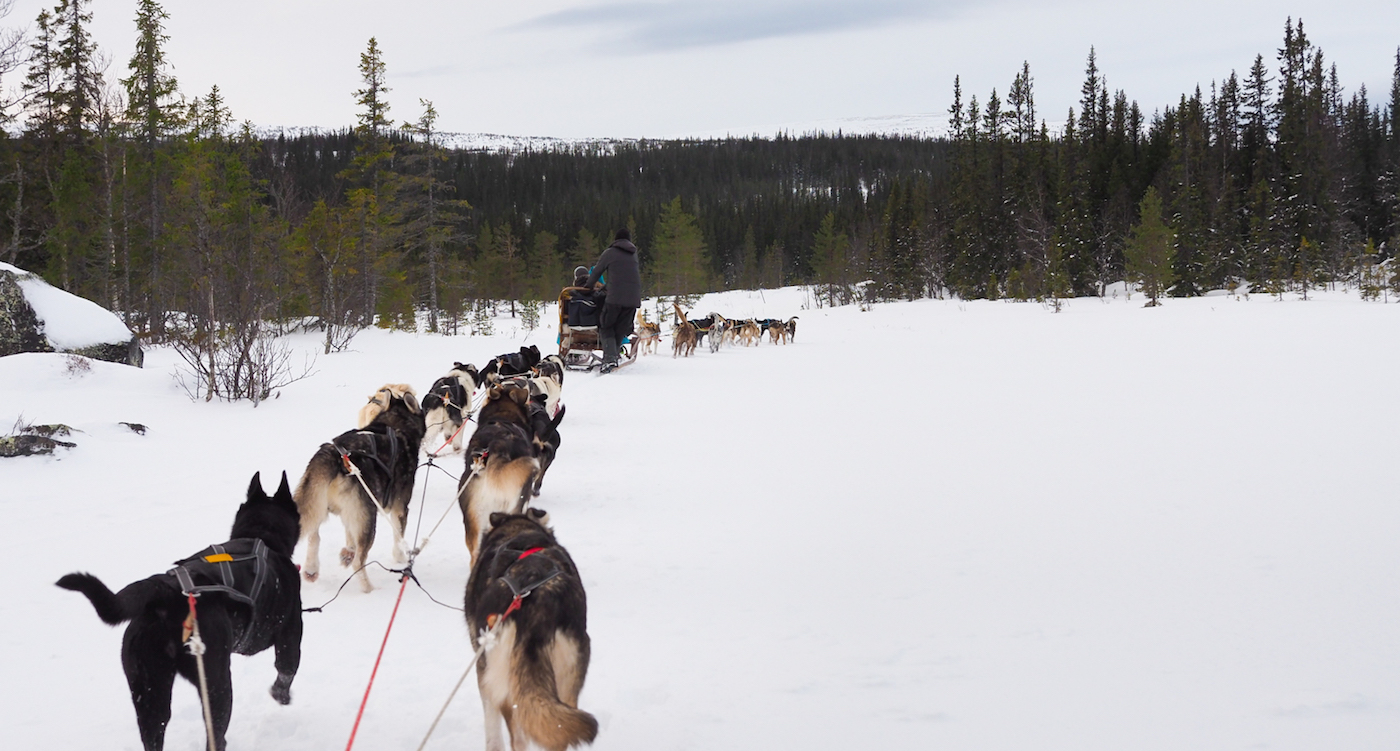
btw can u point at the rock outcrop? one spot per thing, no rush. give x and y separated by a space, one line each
37 317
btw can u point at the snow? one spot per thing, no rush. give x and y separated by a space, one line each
937 524
70 322
920 125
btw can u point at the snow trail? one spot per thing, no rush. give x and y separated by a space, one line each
937 524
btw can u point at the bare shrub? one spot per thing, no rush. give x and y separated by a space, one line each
77 366
235 363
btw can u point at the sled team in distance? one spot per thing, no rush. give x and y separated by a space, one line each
524 599
580 345
688 333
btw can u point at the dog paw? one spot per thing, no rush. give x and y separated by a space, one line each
283 694
346 556
311 576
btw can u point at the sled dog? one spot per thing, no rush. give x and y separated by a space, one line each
260 609
385 453
509 364
777 332
501 463
532 677
544 434
648 333
447 405
683 339
749 333
547 380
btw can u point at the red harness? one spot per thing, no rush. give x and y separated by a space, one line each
492 620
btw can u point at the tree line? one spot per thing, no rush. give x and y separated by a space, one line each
199 230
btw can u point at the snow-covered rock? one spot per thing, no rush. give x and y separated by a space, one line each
37 317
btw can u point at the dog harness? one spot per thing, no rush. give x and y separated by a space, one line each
395 449
521 583
452 394
237 568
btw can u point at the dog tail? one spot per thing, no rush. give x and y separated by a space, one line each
108 605
545 719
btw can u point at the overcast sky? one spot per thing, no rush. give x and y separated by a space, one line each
601 68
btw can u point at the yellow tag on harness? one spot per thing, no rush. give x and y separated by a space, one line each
218 558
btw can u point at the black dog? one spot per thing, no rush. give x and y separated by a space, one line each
510 364
262 609
533 676
544 435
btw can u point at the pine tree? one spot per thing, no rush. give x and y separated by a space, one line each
746 274
1020 98
955 111
1090 117
831 261
74 241
1369 280
773 273
545 272
1150 251
153 109
323 246
430 214
373 195
679 253
42 82
586 248
76 59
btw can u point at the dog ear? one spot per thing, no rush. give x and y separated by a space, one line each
255 488
498 517
284 490
412 402
520 396
537 513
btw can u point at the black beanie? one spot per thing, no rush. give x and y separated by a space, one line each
623 234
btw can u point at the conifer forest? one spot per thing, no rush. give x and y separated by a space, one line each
159 203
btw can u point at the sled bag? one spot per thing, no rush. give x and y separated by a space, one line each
583 312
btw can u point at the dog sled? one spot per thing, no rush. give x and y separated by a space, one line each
579 344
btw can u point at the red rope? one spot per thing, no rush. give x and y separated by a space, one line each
402 585
454 435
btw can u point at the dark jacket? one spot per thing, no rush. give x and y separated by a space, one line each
619 262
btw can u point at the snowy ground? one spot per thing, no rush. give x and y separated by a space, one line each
931 525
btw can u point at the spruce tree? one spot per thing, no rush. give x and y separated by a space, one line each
831 261
373 192
153 109
430 215
586 248
42 81
1150 251
679 253
76 58
545 272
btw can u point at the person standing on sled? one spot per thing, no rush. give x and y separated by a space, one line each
623 283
